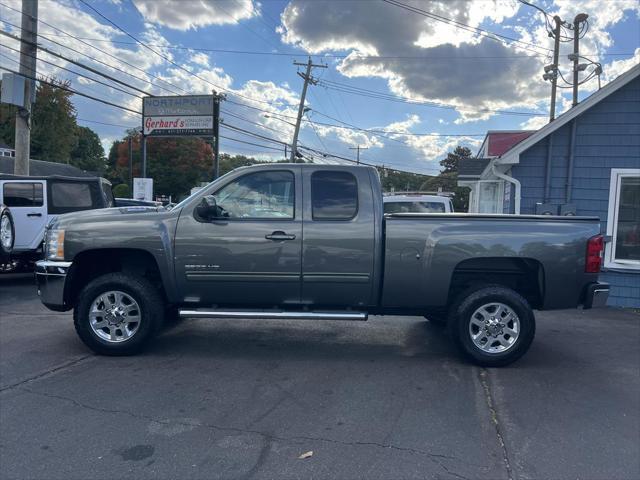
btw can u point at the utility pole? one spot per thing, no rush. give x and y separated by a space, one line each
357 148
217 98
307 79
580 18
554 78
130 165
28 53
144 155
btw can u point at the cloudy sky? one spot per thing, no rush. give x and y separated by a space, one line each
407 79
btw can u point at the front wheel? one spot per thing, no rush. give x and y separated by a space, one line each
118 314
493 326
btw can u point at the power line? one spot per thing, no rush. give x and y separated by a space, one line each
75 62
70 71
348 126
341 56
167 59
225 125
71 90
481 31
81 40
82 65
343 87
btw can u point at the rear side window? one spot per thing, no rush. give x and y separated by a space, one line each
334 195
71 195
414 207
22 194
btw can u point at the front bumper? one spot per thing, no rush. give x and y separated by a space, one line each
596 295
51 278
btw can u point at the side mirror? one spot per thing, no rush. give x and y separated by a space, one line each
208 208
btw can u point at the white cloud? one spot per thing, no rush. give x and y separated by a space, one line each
188 14
201 59
481 82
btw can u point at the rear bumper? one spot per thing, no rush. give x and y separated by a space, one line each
596 295
51 278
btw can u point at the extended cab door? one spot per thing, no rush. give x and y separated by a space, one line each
26 200
250 254
339 238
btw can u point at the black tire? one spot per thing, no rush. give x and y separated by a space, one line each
461 315
5 250
142 291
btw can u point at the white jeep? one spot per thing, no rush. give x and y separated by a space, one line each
34 201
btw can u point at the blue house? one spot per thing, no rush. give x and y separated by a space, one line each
585 162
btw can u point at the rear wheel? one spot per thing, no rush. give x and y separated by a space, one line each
118 314
7 234
493 326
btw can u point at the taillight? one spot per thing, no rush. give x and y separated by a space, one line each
595 246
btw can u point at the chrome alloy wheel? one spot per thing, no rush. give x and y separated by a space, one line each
115 316
6 235
494 328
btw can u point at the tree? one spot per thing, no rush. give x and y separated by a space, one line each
448 179
88 153
450 163
121 191
53 124
175 164
395 181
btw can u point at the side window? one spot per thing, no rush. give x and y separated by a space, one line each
258 195
22 194
334 195
71 195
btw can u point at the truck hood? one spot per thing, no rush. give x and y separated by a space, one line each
131 213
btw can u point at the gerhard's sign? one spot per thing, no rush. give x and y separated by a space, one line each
177 116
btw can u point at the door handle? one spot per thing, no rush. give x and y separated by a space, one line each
34 214
279 235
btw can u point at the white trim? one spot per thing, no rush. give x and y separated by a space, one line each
513 156
612 219
516 184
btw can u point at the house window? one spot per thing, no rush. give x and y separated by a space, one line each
623 220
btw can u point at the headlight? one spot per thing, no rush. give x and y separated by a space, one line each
54 244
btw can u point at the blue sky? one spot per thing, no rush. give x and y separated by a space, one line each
442 52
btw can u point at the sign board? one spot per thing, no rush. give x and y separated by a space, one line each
174 116
143 189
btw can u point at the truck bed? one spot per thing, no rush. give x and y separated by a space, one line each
424 252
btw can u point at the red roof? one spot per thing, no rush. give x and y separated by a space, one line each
500 142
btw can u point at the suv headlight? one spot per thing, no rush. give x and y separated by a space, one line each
54 244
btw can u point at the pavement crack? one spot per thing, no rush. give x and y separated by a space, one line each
433 457
48 372
496 423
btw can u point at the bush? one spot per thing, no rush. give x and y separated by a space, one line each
121 191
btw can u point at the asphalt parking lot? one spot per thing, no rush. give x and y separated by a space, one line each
387 399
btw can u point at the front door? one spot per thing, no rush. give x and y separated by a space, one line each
249 254
25 199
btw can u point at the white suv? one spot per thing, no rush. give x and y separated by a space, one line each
34 201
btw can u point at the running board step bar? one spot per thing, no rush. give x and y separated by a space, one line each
273 315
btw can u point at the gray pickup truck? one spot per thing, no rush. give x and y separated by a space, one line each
312 242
